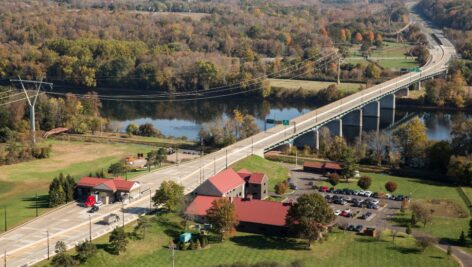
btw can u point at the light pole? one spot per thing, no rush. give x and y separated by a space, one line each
5 258
214 165
36 206
252 146
90 228
226 150
47 242
150 201
123 212
5 215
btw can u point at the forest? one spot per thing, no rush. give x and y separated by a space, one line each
139 44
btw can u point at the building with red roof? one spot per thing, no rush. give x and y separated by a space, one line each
322 168
108 190
227 183
254 215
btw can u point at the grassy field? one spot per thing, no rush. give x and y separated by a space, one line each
19 183
273 170
390 55
341 249
124 138
313 85
468 191
388 49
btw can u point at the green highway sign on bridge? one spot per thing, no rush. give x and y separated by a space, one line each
415 69
285 122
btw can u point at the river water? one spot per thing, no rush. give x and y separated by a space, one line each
184 119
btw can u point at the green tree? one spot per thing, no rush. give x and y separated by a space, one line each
62 259
421 212
248 127
85 250
57 196
469 233
117 168
118 240
439 154
281 188
148 129
222 216
333 179
462 239
132 129
170 194
364 182
460 170
139 230
373 71
411 138
309 216
413 220
206 73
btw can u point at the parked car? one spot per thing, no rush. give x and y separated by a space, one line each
359 228
89 201
331 190
388 196
94 209
348 199
373 201
293 186
340 201
372 206
324 189
367 193
361 193
351 228
337 212
399 198
111 218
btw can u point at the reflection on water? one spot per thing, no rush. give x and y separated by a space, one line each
186 118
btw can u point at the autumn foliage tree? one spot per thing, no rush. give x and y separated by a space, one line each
364 182
391 186
222 216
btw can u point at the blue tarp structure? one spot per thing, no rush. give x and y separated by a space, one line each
185 237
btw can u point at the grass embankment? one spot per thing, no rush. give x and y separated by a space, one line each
341 249
450 214
273 170
314 86
19 183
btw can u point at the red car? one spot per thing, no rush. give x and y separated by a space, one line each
90 201
324 189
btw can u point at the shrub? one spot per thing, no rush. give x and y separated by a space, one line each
364 182
281 188
391 186
333 179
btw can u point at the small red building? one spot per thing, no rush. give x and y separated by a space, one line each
108 190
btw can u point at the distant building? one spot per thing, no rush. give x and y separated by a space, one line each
227 183
322 168
108 190
255 216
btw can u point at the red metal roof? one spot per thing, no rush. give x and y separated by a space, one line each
114 184
226 180
244 173
261 211
332 166
314 165
254 210
200 205
256 178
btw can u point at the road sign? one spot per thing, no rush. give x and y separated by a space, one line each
285 122
416 69
270 121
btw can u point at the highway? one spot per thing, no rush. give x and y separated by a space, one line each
27 244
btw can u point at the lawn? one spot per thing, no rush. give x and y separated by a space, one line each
341 249
397 63
19 183
468 191
273 170
313 85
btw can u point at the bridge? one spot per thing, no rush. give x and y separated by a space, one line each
34 241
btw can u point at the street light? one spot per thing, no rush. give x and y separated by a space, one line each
47 242
90 228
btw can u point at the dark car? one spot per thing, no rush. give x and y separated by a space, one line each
375 195
359 228
351 228
331 190
399 198
372 206
94 208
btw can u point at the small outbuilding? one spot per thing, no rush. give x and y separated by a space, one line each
108 190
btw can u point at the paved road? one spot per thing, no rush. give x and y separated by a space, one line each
26 245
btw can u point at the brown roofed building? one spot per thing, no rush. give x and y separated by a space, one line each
108 190
322 168
227 183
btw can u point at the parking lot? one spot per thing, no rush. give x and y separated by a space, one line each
304 181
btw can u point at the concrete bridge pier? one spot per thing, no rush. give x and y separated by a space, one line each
371 116
352 124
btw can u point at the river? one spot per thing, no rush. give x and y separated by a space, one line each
184 119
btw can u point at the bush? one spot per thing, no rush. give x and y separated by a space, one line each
333 179
408 229
281 188
391 186
149 130
364 182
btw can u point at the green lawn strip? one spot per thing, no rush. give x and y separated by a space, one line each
313 85
273 170
393 63
341 249
468 192
27 179
446 228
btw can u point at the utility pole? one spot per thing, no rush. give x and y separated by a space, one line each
150 201
5 258
252 146
123 212
226 161
5 215
296 156
339 69
214 165
90 228
36 206
47 242
31 101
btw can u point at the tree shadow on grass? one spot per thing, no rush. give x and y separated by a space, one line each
268 242
171 229
105 247
369 240
42 202
406 250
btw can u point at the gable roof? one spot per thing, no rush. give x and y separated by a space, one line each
247 210
200 205
226 180
332 166
244 173
256 178
261 211
113 184
314 165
